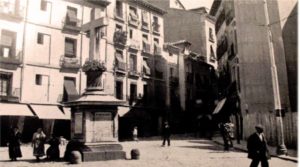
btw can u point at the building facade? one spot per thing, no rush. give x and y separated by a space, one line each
195 26
42 51
244 65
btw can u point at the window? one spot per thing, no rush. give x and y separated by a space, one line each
5 84
71 18
132 62
38 79
8 43
145 19
211 36
170 54
40 38
130 33
133 93
155 24
70 93
133 13
70 47
119 9
44 4
119 90
171 71
212 55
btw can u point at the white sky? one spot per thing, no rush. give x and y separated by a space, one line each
189 4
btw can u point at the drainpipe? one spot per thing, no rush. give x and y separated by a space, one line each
23 53
80 58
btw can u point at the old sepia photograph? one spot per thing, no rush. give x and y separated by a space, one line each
149 83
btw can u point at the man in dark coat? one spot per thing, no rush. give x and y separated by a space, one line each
257 148
166 134
14 142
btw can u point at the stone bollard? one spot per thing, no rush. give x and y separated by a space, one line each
75 157
135 154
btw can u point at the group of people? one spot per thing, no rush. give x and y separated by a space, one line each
38 144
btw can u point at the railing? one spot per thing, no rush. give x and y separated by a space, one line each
71 25
155 27
11 9
134 44
146 48
11 56
13 96
133 72
69 62
120 37
133 21
157 50
121 66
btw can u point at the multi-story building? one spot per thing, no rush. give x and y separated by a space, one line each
243 51
42 51
191 87
195 26
129 37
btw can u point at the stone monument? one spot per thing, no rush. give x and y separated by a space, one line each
94 118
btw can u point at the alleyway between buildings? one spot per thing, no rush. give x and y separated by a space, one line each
182 153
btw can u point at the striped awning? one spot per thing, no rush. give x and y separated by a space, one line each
49 112
14 109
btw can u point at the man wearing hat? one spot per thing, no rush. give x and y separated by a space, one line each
257 148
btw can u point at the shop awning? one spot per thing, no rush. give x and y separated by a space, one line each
10 109
67 112
48 112
219 106
123 110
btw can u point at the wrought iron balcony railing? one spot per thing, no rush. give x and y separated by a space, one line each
69 62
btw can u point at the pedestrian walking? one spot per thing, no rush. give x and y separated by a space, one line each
166 133
227 134
135 133
53 150
14 143
257 148
38 144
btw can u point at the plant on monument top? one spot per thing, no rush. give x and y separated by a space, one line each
93 66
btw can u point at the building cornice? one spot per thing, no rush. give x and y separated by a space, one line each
148 5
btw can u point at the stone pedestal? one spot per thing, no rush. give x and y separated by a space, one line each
94 121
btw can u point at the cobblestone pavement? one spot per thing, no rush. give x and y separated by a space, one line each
181 153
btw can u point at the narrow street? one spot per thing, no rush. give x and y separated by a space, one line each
181 153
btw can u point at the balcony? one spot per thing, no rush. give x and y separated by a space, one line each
12 56
155 28
71 24
133 20
133 73
134 44
69 62
11 10
145 26
146 48
99 2
120 38
13 96
157 50
120 66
